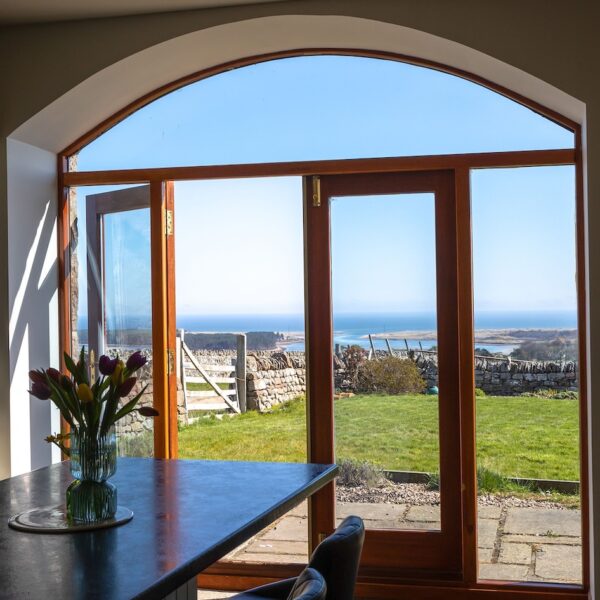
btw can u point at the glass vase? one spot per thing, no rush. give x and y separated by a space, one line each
91 497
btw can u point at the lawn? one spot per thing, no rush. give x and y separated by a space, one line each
516 436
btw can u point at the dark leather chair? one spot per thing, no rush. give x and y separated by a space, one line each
309 585
336 558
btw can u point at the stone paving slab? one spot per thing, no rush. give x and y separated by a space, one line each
538 539
543 521
503 572
485 555
488 512
270 546
266 558
559 563
519 554
427 525
288 528
423 513
515 544
375 512
487 530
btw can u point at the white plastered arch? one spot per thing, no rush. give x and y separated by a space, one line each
109 90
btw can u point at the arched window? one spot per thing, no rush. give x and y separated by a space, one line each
387 247
320 108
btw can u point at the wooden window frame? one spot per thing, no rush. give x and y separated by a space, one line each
227 576
437 552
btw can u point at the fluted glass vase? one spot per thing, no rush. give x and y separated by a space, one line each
91 497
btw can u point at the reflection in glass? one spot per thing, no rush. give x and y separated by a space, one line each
111 290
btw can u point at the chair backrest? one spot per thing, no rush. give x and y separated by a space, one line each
337 558
309 585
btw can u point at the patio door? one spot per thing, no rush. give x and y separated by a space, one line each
123 272
383 365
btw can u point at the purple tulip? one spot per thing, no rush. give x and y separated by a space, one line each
135 361
107 365
53 374
37 376
126 387
40 390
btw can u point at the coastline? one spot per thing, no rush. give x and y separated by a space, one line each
505 336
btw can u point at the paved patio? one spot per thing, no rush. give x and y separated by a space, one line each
515 544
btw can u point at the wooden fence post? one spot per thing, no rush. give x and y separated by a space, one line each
372 347
240 371
182 368
391 352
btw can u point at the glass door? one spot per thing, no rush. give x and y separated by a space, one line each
383 352
111 297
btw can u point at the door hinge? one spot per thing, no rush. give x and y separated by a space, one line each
169 222
316 191
321 537
170 361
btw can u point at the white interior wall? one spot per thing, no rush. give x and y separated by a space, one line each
33 299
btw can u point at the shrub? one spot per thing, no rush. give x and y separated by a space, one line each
433 482
355 473
390 375
552 394
479 393
354 357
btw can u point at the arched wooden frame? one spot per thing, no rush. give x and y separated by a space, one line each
161 180
163 90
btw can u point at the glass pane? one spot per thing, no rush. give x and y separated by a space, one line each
527 374
366 108
385 340
240 319
111 291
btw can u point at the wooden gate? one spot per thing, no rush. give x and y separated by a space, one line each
224 386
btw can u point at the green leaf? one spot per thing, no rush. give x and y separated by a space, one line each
127 408
72 367
83 372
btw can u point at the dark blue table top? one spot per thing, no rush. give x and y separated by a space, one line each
188 514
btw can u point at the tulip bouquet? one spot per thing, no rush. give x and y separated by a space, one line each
91 405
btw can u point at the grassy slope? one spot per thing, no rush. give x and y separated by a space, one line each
517 437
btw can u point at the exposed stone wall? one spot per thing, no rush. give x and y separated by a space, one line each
134 423
273 378
508 378
276 377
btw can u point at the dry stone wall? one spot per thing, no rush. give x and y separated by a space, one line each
510 378
271 377
275 378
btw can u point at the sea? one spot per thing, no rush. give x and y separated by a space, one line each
354 328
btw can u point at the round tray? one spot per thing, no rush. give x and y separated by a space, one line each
53 519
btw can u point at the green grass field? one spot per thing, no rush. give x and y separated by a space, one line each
525 437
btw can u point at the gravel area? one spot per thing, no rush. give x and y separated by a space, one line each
418 494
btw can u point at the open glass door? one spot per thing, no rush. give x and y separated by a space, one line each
113 303
383 365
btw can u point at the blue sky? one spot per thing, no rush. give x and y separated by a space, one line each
246 236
